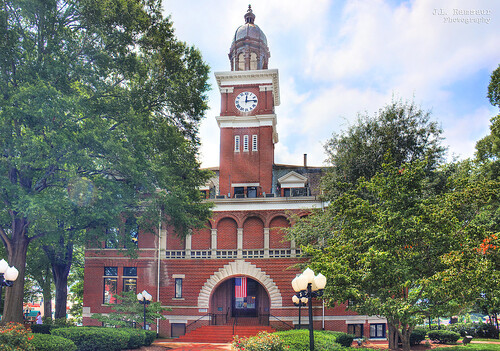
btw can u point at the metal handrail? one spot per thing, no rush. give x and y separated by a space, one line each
205 315
289 326
235 322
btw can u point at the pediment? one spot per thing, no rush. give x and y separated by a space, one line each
292 180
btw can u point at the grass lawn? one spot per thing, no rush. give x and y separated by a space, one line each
474 346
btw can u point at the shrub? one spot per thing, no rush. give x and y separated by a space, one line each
95 339
44 342
477 330
298 340
14 336
443 336
417 336
137 337
41 328
150 337
261 342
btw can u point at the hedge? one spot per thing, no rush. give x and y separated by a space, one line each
41 328
298 340
137 337
150 337
443 336
417 336
95 339
45 342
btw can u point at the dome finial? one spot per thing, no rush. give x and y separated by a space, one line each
249 16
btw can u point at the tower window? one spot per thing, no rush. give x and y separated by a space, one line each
245 142
241 62
253 61
254 142
237 143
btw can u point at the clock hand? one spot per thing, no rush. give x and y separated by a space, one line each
246 98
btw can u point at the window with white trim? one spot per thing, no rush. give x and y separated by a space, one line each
245 142
237 143
254 142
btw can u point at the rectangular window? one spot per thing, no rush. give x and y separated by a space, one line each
111 271
254 142
245 142
237 143
111 238
132 228
130 271
178 288
110 285
130 284
377 330
355 329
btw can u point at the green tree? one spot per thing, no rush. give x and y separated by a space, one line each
401 131
128 310
386 245
99 109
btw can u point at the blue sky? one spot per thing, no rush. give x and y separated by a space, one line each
340 58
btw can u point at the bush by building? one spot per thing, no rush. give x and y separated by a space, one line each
95 339
443 336
14 336
45 342
417 336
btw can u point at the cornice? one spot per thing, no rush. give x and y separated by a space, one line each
250 77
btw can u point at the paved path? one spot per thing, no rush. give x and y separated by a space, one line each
192 346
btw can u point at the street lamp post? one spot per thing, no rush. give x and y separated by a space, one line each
299 302
308 285
7 275
144 299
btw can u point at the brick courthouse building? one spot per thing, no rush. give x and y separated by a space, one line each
240 265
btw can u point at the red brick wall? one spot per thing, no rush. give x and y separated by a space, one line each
246 166
227 234
253 233
276 236
173 241
201 239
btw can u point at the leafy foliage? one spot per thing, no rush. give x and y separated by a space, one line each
128 310
399 132
261 342
443 336
298 340
95 339
44 342
99 108
386 245
14 337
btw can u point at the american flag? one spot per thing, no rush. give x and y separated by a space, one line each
240 287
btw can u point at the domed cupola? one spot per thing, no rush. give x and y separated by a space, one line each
249 50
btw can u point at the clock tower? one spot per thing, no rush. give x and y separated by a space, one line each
247 121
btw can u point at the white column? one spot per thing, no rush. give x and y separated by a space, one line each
188 244
240 243
266 242
214 242
293 247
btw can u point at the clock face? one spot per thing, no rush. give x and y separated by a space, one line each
246 101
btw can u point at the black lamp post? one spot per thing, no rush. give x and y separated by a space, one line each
7 275
144 299
299 302
308 285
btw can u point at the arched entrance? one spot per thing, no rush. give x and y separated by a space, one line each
241 298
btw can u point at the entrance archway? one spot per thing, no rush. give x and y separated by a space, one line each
242 298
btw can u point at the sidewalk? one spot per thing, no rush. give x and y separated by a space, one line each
191 346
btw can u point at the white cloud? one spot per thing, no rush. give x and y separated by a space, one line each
340 58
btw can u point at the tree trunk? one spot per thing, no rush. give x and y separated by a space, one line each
393 336
61 258
405 337
16 246
47 298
